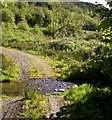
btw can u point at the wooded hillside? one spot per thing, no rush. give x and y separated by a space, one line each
77 37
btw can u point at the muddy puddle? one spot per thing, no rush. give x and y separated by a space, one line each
13 88
44 86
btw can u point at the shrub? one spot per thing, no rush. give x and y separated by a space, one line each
90 26
97 70
107 35
89 102
37 30
30 94
7 16
23 26
78 94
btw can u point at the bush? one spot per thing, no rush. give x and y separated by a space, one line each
30 94
107 35
78 94
7 16
90 26
23 26
37 30
97 70
89 102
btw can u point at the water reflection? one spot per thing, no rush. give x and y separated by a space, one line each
14 88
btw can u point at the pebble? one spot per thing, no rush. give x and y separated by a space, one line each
61 90
56 90
51 85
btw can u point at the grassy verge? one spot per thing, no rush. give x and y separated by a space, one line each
3 97
40 66
9 69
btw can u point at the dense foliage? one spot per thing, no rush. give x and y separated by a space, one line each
89 102
33 26
77 39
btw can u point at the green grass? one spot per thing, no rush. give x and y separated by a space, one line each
35 104
9 68
89 102
75 51
3 97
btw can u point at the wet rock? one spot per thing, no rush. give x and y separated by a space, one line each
56 90
61 90
51 85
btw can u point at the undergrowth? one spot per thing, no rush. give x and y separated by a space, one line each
35 103
9 68
69 35
89 102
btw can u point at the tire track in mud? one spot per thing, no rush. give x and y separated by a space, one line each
12 108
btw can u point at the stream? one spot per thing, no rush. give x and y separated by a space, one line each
44 86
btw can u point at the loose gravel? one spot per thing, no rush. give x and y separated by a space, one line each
49 85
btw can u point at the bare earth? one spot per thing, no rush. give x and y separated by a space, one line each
27 61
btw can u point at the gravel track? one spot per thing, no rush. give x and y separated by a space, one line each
26 61
22 62
12 108
54 105
45 84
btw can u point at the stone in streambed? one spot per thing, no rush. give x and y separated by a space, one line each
60 90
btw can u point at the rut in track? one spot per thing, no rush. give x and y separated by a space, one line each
12 108
27 62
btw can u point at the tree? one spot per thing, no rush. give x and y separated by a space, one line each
106 22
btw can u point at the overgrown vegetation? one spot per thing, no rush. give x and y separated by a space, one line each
35 104
78 40
9 72
89 102
9 69
34 31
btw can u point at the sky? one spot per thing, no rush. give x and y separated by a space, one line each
98 1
